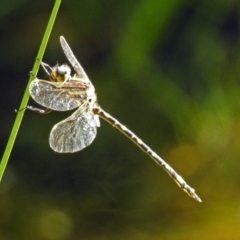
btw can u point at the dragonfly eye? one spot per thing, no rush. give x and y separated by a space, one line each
61 70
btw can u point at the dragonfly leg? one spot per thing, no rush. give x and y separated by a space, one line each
47 69
37 110
31 74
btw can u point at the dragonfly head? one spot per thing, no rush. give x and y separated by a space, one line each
61 73
63 69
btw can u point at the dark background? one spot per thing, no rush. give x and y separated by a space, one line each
169 70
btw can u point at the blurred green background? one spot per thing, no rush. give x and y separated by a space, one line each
168 70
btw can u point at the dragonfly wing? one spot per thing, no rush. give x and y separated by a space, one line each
74 133
50 96
72 59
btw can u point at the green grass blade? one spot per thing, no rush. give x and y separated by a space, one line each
19 117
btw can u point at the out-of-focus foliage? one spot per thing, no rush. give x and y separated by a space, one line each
169 70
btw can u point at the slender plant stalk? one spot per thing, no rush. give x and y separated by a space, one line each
19 117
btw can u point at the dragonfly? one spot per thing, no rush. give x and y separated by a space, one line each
63 92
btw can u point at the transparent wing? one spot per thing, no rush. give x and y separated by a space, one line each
49 95
74 133
72 59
